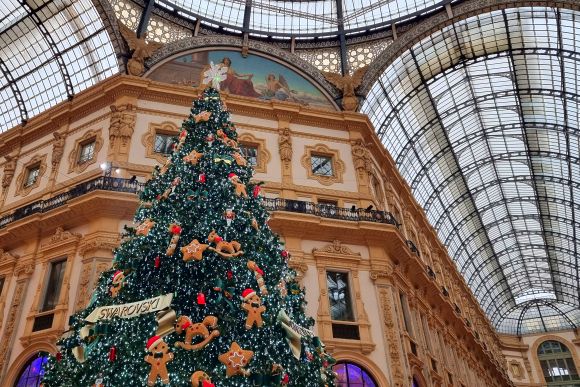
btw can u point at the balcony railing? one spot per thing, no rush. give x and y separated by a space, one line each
105 183
329 211
116 184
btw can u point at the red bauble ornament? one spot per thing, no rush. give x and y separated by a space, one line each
230 275
201 299
205 383
257 190
157 262
201 178
286 379
58 356
175 229
112 354
285 254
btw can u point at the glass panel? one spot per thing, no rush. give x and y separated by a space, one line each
163 143
250 153
322 165
33 371
339 296
32 175
352 375
86 152
53 286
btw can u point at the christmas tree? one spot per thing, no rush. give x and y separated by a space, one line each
200 292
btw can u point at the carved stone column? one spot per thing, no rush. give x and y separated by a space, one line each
121 128
22 273
285 116
8 175
362 160
57 152
7 264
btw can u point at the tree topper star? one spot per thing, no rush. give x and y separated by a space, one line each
215 75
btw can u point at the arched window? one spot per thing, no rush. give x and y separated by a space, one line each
352 375
32 372
557 364
415 383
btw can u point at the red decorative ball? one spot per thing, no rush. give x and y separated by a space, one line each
201 299
230 274
58 356
112 354
157 262
175 229
257 190
285 253
285 379
201 178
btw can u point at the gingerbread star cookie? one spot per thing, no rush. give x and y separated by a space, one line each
235 359
145 227
194 250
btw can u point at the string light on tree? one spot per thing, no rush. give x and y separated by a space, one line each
200 292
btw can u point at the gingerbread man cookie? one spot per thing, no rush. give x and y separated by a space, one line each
158 356
253 305
240 187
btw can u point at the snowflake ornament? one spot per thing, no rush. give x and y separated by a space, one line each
215 75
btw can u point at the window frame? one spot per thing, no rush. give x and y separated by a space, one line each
349 287
321 150
317 155
248 145
554 360
170 140
42 307
29 169
363 370
82 146
39 355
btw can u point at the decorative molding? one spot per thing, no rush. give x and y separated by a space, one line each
60 235
392 338
100 241
323 150
9 169
148 139
335 247
516 369
11 322
263 153
39 160
189 44
285 144
73 157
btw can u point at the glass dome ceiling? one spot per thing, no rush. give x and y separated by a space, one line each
49 51
482 118
303 17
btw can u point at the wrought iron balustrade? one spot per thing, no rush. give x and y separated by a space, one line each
108 183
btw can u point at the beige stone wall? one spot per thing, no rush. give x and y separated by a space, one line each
380 264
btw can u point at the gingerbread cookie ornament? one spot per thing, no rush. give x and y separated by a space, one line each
235 359
158 356
192 330
252 303
239 187
117 283
194 250
224 248
201 379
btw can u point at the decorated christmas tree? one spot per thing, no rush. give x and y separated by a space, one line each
200 292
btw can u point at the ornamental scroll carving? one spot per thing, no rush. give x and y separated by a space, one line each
392 338
9 169
13 316
335 247
361 156
60 235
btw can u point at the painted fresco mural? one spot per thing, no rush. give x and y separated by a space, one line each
253 76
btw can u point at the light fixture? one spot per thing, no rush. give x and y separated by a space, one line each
104 166
118 171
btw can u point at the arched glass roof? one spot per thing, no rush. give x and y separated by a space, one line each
49 51
482 119
303 17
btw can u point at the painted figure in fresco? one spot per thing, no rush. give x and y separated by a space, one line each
279 89
240 84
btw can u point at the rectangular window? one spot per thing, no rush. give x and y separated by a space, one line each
163 143
321 165
406 313
250 153
55 277
339 296
1 285
31 175
87 152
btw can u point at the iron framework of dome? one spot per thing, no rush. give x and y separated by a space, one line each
482 119
49 51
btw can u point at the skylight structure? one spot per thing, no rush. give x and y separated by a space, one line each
482 120
49 51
